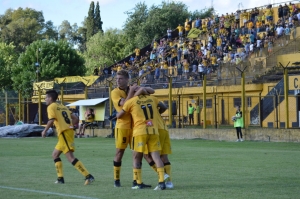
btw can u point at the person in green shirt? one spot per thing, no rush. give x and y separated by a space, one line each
238 124
191 110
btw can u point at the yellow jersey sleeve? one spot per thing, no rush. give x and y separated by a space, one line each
124 122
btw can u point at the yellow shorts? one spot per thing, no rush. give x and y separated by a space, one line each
66 141
146 143
123 138
165 142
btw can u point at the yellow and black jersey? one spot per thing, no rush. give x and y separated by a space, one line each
61 116
144 112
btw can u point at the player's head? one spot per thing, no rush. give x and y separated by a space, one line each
51 96
122 79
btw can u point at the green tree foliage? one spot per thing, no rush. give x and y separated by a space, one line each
98 22
202 14
49 31
8 57
104 48
56 59
145 24
23 26
90 21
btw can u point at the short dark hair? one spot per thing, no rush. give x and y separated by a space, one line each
53 94
123 73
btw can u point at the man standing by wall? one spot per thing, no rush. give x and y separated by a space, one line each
191 110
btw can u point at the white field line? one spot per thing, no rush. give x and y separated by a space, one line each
45 192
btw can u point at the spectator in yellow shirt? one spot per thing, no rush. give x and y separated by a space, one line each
137 52
186 66
258 25
180 30
249 26
187 29
269 14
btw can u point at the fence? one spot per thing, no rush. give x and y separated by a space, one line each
268 110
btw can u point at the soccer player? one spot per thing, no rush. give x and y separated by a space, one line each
165 143
123 129
143 109
60 116
164 138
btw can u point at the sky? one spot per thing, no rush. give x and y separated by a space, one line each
112 11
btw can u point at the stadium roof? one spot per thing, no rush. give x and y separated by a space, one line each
88 102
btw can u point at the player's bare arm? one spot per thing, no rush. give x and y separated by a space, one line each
129 95
120 114
144 91
49 124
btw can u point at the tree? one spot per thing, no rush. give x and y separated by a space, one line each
49 31
98 22
104 48
65 31
23 26
56 59
202 14
8 57
90 21
143 24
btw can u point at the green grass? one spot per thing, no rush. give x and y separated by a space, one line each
200 169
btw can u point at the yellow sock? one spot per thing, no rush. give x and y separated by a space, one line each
161 173
117 170
153 166
58 166
80 167
168 169
134 176
137 173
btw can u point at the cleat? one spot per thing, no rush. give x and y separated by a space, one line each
134 183
138 186
166 177
89 179
160 186
60 180
169 185
241 140
117 183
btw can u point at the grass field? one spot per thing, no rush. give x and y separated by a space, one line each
201 169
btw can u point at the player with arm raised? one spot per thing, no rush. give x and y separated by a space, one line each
60 116
143 109
165 147
123 129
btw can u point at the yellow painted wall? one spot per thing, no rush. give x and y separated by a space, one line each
285 59
227 93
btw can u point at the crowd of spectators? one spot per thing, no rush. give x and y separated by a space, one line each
227 39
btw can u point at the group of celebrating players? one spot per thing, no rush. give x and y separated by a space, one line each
139 124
